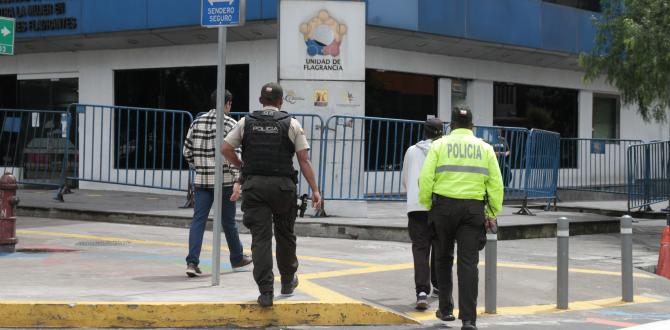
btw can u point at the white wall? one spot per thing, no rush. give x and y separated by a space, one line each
444 99
585 114
480 100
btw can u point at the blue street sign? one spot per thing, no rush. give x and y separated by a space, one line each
217 13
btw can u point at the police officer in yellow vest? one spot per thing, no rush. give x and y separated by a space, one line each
459 171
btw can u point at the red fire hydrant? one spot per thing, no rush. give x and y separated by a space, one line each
8 202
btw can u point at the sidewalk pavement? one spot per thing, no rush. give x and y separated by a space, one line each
385 220
121 275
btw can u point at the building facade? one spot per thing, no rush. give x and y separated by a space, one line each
515 62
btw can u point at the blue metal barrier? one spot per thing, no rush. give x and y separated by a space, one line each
312 126
648 174
542 162
509 144
130 146
363 156
33 146
594 165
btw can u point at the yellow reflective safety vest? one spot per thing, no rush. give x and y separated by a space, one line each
462 166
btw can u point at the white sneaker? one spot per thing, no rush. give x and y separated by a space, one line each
422 301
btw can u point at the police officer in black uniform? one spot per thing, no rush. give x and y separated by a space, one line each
269 138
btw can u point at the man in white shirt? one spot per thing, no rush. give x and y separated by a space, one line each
420 231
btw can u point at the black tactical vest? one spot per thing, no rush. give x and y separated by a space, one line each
266 147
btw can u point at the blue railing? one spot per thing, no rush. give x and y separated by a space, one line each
542 162
356 158
312 126
130 146
363 157
595 165
33 146
509 144
648 174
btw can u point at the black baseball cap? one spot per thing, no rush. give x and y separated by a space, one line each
433 124
272 92
462 115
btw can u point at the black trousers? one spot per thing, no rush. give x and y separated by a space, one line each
460 221
421 234
268 200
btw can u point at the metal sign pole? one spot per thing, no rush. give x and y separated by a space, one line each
218 191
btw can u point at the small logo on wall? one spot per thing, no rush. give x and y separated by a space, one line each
320 98
348 100
292 97
323 37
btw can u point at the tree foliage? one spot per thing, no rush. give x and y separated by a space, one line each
633 50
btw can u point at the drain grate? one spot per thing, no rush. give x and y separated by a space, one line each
45 250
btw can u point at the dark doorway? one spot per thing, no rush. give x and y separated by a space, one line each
184 88
395 95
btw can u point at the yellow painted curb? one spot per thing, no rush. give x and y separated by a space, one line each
206 314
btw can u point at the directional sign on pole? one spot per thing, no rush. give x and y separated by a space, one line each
7 36
217 13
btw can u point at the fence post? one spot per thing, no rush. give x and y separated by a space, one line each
647 177
491 273
627 258
563 253
65 133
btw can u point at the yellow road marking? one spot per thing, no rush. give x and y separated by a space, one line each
356 271
321 293
205 247
536 309
572 270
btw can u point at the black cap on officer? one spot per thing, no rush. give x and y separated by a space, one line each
461 117
271 94
433 128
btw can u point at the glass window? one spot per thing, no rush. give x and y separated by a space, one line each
552 109
143 141
8 91
184 88
48 94
605 117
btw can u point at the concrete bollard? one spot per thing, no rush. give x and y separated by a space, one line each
491 274
627 258
563 255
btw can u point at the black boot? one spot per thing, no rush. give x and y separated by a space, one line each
468 325
265 299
